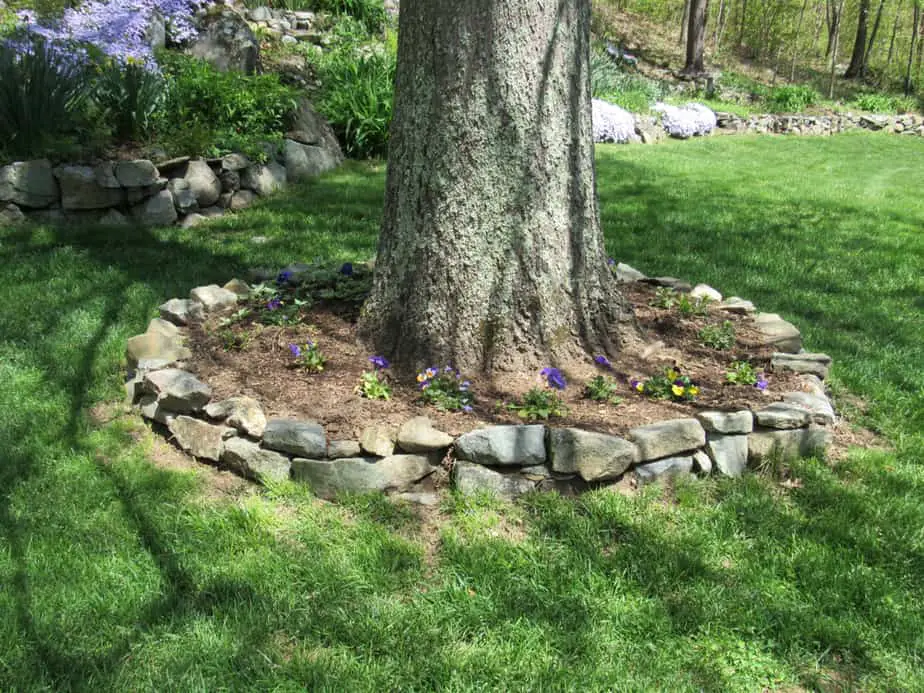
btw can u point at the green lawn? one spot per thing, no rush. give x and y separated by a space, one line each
118 575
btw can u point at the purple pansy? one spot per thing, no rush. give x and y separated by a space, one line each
273 304
603 361
554 378
296 350
347 269
762 383
379 362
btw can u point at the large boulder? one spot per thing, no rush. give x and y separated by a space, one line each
667 438
29 184
203 183
136 174
242 413
251 460
158 210
361 474
264 179
83 187
521 446
595 456
311 146
177 390
304 161
198 438
471 478
227 42
304 438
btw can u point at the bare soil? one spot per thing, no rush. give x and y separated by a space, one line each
263 368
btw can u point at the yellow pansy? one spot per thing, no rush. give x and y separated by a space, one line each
677 390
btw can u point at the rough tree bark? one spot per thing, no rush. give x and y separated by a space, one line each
915 28
857 65
491 255
696 38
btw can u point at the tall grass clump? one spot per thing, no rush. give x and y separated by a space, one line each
129 97
42 93
357 98
792 98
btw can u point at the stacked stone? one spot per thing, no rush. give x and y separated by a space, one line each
506 460
797 124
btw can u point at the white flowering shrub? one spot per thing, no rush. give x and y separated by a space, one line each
686 121
612 123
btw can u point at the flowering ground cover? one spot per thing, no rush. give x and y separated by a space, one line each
125 568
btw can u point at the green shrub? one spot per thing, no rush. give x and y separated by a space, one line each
357 96
370 12
874 102
792 98
129 97
42 97
210 112
633 92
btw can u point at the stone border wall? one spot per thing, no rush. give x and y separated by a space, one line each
507 460
182 189
908 124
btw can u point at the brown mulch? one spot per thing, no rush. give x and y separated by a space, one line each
263 369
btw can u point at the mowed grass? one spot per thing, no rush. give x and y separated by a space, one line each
116 574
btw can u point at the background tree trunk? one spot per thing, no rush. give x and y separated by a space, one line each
795 42
915 27
835 44
874 33
696 38
684 23
895 25
491 255
858 60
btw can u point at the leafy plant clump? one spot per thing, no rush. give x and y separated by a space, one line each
743 373
719 337
542 402
792 98
309 357
668 298
374 384
672 385
446 389
603 388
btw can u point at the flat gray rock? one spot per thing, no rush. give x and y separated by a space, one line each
778 333
702 463
238 287
178 391
154 346
264 179
670 467
818 405
378 439
150 407
627 274
136 174
704 291
177 311
242 413
213 298
594 456
361 474
472 478
667 438
343 448
737 305
729 453
804 363
419 435
80 189
198 438
252 461
726 422
783 415
163 327
29 184
500 446
302 438
787 444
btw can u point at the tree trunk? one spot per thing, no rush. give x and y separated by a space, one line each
895 25
909 86
743 24
795 42
684 23
835 43
721 18
491 255
696 38
874 34
858 60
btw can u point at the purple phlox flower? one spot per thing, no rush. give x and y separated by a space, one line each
273 304
296 350
448 369
554 378
465 385
379 362
762 383
283 277
467 409
347 269
603 361
26 16
611 262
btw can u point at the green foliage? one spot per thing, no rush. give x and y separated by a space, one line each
128 96
603 388
539 403
671 384
720 337
373 385
371 13
878 102
235 340
42 99
631 91
446 389
357 98
209 112
792 98
309 357
666 297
